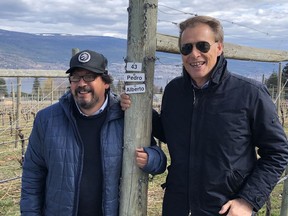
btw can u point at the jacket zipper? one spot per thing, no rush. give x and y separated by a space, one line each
194 97
190 157
77 188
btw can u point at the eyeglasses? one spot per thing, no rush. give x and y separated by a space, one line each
86 78
202 46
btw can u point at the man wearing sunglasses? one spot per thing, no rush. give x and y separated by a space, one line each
72 165
213 121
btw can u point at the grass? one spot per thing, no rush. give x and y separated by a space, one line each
9 198
10 191
10 167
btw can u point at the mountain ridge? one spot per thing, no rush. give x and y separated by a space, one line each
46 51
52 51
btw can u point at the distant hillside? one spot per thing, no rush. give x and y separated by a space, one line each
53 51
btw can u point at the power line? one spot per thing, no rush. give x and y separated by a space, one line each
174 23
182 12
224 20
254 29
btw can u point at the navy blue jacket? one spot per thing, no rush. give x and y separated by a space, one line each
54 159
212 136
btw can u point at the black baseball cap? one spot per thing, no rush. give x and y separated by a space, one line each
89 60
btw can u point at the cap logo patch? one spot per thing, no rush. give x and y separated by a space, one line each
84 57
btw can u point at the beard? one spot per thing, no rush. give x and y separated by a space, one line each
83 102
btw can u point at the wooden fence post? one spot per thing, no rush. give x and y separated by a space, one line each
141 48
75 51
279 88
18 108
284 204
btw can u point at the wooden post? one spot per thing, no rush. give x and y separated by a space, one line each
284 204
279 88
13 102
167 43
52 91
38 98
263 79
74 51
141 48
18 108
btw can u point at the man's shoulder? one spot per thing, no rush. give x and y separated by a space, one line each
177 81
246 80
50 111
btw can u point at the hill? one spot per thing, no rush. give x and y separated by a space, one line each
53 51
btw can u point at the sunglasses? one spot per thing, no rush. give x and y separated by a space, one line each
202 46
86 78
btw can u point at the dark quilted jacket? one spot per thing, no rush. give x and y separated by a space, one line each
54 156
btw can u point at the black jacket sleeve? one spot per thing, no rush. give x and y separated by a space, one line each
157 129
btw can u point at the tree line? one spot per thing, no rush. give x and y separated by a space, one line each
47 86
42 89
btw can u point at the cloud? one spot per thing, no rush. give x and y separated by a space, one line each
259 23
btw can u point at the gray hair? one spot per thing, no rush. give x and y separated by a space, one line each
213 23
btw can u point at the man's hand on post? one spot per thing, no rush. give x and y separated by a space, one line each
125 101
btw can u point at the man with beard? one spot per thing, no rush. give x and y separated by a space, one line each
72 165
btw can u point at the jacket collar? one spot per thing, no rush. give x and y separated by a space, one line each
114 107
219 70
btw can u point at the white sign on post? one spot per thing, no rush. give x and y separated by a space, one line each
134 66
134 77
132 89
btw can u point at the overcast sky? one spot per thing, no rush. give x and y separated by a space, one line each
258 23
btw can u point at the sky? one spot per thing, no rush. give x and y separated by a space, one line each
256 23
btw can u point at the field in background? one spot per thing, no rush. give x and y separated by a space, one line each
13 142
11 161
10 191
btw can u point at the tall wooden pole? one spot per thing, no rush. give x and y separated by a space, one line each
284 204
279 88
141 48
18 108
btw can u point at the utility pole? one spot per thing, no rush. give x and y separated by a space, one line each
284 204
279 89
139 76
